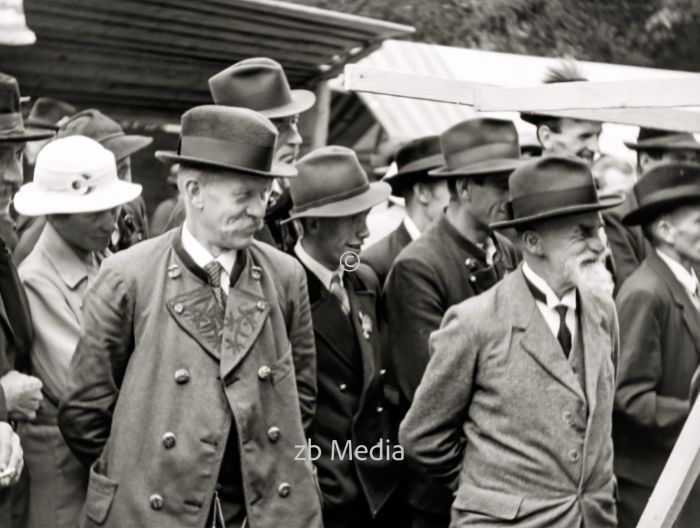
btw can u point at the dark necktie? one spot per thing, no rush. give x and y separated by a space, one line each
214 270
563 334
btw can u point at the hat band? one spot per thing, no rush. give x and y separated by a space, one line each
333 198
429 162
673 193
546 201
480 153
79 184
246 156
11 122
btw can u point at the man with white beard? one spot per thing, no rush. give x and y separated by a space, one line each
514 410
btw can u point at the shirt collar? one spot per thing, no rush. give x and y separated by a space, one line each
69 266
568 300
411 227
321 272
201 255
687 278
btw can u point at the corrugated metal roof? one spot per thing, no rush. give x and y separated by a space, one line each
153 57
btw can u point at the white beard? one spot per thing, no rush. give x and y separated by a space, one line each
592 277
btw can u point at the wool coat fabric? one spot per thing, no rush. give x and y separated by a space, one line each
157 385
503 420
381 255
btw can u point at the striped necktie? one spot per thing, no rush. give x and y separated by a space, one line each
214 270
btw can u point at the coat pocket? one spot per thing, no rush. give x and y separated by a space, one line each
100 494
282 367
492 503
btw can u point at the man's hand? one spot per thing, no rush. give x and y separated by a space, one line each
11 456
22 395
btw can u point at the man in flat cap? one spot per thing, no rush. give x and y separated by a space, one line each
659 313
77 189
332 197
195 372
514 411
457 258
425 197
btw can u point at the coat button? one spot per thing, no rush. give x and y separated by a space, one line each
382 372
261 305
173 271
380 409
343 387
178 308
264 372
472 279
182 376
574 455
169 440
156 501
284 490
255 272
273 433
567 417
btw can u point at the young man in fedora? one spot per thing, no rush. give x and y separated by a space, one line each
47 114
195 371
77 189
514 411
132 224
332 197
457 258
659 313
260 84
425 197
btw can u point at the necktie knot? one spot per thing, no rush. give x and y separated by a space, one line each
214 270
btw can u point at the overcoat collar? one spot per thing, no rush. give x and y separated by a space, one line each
71 268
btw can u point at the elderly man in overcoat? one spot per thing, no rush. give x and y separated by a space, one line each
659 314
196 367
514 410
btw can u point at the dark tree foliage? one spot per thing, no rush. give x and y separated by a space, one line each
657 33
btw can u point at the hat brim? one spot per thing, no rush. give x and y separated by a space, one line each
126 145
31 200
483 168
401 180
649 212
29 134
604 202
278 170
652 145
302 100
376 194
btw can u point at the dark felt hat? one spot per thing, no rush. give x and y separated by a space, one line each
106 131
413 161
11 122
48 113
332 183
229 138
663 188
552 187
653 138
479 146
261 85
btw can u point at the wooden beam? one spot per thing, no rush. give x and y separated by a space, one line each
446 90
678 477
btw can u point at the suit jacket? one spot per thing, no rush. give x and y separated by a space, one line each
381 255
538 448
158 382
439 270
660 351
351 406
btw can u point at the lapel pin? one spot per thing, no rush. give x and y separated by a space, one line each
470 263
366 323
256 272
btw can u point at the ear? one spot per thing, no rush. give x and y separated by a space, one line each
544 136
665 231
463 188
532 242
194 192
422 192
643 159
311 226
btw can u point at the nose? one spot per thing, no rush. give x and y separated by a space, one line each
362 229
12 171
294 137
257 206
599 242
593 144
107 220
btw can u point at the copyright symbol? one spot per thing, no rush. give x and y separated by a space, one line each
350 261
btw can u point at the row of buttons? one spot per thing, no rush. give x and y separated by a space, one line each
157 502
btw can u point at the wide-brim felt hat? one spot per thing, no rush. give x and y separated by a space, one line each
12 128
480 146
74 175
331 184
552 187
49 113
228 138
414 160
652 139
106 131
663 188
261 85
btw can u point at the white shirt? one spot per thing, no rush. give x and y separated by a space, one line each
321 272
550 315
202 257
410 226
688 279
489 249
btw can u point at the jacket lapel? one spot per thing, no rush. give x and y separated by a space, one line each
196 313
537 339
691 316
362 309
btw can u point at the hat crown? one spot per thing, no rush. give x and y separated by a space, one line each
9 95
479 140
551 173
48 111
327 175
91 123
666 177
257 83
417 150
